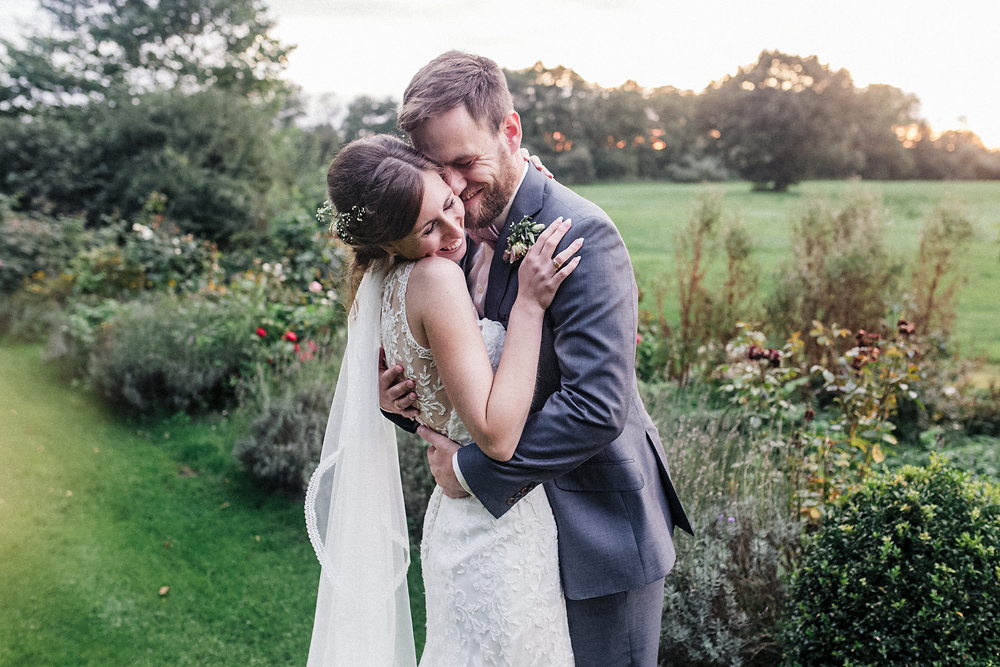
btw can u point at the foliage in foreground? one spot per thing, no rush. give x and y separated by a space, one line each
906 571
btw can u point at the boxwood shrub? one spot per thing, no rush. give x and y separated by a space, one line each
904 572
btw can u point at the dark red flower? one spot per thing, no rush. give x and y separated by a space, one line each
290 335
262 332
905 328
756 353
809 415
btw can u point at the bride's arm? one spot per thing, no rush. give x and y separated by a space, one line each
493 408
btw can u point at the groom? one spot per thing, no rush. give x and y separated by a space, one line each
588 439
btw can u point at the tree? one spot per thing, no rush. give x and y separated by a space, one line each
773 121
883 113
367 116
210 153
108 49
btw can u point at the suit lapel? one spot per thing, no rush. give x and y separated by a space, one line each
503 276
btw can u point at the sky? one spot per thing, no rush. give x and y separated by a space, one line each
944 51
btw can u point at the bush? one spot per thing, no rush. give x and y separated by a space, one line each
174 354
36 245
841 273
285 442
287 402
905 572
724 596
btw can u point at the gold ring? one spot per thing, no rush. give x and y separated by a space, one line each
556 263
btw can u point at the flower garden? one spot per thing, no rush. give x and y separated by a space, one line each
822 427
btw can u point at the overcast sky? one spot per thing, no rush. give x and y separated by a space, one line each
945 51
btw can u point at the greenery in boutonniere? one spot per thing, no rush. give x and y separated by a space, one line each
522 237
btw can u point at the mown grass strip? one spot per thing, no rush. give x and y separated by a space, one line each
97 515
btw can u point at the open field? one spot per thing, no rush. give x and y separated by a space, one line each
648 213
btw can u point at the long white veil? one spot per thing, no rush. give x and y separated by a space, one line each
355 515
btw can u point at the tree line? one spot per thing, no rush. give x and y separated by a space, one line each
117 99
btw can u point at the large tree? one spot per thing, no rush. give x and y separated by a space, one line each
774 121
883 114
105 49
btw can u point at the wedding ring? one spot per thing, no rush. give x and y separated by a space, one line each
556 263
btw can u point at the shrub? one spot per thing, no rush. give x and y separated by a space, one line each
287 402
174 354
724 594
38 244
937 277
285 442
905 572
841 271
710 305
724 597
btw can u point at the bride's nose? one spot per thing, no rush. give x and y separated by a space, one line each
454 226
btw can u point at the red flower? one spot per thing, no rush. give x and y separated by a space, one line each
262 332
638 338
290 335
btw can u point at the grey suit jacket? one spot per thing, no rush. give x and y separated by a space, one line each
588 438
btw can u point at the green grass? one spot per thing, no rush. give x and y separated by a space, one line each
648 213
96 515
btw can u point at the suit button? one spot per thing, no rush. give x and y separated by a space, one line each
503 317
510 501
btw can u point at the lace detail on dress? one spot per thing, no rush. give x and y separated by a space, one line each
494 597
436 410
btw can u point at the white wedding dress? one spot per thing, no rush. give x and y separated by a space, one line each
492 585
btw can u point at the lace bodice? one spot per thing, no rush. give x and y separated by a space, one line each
436 410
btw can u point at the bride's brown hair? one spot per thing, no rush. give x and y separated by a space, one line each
376 184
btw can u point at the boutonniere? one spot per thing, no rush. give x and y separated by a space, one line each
522 237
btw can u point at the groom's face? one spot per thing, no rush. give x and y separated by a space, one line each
481 166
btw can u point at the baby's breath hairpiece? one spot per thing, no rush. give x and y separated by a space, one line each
522 237
338 221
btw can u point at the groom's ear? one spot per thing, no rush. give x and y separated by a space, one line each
510 128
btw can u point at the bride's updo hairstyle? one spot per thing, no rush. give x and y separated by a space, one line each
377 187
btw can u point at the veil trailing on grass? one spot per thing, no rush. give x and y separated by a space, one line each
355 515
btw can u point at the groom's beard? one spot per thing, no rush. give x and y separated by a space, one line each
496 194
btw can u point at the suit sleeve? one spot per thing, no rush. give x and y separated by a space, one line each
402 422
593 319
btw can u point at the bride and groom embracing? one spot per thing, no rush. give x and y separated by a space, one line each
548 537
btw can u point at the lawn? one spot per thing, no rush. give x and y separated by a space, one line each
97 514
648 213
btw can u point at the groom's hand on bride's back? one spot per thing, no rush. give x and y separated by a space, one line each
395 392
439 455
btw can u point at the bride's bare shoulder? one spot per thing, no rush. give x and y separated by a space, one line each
436 272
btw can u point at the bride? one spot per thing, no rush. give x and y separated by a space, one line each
492 585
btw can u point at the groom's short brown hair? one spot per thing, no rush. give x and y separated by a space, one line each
452 79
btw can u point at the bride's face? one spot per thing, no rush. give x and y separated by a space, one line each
439 230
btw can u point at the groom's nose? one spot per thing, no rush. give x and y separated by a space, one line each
455 180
